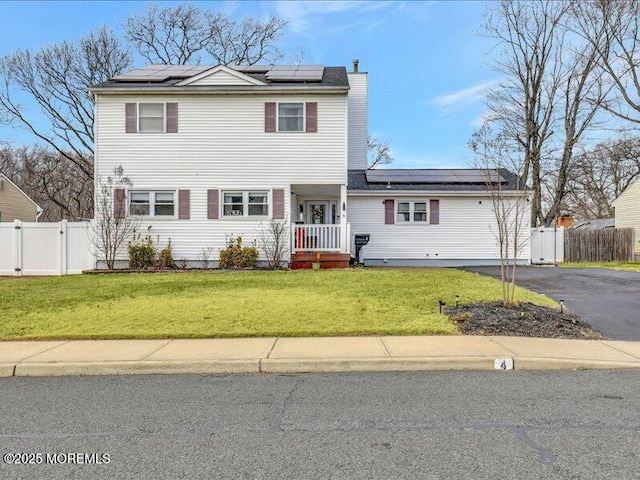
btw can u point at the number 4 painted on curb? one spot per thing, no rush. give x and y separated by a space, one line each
503 363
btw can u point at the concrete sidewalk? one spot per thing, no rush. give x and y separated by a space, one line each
296 355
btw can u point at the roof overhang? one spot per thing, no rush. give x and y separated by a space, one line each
613 204
222 90
439 193
38 207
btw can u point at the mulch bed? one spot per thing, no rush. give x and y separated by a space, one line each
523 320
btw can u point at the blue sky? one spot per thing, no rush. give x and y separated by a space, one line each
427 66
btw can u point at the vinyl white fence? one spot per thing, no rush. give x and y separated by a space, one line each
45 248
547 245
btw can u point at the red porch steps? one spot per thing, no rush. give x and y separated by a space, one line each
300 260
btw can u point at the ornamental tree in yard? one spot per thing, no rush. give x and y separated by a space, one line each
112 228
510 205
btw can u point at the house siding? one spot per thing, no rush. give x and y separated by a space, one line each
358 129
463 234
627 212
15 205
221 144
189 237
221 78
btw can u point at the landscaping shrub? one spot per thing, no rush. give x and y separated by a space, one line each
237 256
143 254
166 257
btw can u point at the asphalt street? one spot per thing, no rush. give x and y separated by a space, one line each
453 425
608 299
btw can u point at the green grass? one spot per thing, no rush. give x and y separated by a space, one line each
239 304
626 266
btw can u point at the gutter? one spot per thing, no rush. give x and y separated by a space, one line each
207 90
443 193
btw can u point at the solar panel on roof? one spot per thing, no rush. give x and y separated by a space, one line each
432 176
295 73
160 73
252 68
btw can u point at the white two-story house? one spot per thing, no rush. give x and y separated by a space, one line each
219 151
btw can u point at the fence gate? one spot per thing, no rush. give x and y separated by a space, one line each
547 245
45 248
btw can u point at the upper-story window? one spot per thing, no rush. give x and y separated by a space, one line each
291 117
151 117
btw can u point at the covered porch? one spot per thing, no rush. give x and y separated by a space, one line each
319 226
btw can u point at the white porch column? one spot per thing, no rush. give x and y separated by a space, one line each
344 234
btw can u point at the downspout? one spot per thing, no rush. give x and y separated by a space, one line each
39 212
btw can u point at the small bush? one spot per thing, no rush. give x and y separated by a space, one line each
237 256
166 257
204 256
142 252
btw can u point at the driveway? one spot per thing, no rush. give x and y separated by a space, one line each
608 299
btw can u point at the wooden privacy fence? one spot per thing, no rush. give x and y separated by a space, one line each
608 245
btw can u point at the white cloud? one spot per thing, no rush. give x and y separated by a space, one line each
481 119
302 16
460 99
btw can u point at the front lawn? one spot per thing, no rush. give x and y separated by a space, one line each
626 266
239 304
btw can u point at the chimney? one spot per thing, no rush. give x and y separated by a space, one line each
355 65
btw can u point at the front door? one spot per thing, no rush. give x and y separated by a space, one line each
318 212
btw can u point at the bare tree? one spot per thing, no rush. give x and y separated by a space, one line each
273 241
188 34
510 202
111 228
378 152
58 79
599 175
550 95
59 187
612 29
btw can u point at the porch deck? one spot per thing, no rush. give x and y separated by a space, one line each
303 260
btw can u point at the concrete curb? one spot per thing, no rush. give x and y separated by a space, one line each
283 366
533 363
6 369
404 364
54 369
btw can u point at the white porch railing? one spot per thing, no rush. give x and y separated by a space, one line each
315 238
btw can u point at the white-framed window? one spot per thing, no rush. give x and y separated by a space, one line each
151 117
152 204
411 212
253 203
291 117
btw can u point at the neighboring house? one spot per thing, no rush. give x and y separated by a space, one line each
15 204
596 224
627 212
216 151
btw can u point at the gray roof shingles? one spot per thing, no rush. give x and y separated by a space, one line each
332 77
